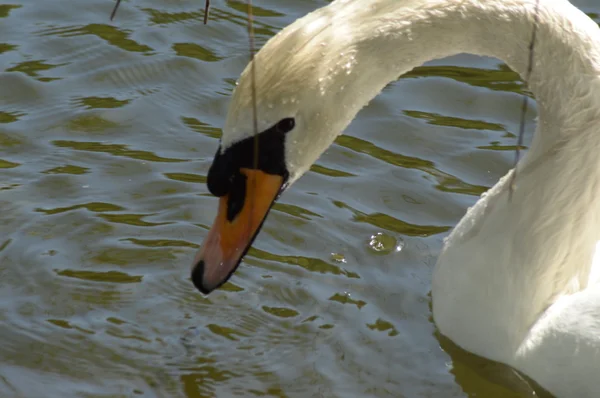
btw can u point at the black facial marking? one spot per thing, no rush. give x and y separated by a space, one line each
237 193
220 174
224 176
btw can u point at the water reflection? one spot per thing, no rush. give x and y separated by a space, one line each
447 182
501 79
112 35
113 149
107 131
6 8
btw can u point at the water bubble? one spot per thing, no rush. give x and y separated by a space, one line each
381 243
338 258
400 245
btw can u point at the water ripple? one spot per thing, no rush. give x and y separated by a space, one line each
446 182
112 149
107 132
112 35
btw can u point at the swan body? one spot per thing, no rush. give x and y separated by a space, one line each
517 280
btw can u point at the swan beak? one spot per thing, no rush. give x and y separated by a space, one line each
229 239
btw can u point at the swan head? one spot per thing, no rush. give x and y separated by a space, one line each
300 107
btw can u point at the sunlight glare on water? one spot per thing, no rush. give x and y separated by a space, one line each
107 131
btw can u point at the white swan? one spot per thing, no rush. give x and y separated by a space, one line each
516 282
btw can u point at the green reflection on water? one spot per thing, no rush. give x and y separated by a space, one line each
446 182
281 312
114 149
160 242
345 299
163 17
197 382
5 47
9 117
262 30
231 287
93 206
216 15
242 7
8 187
495 146
5 164
120 335
61 323
201 127
111 34
5 244
5 9
383 326
95 276
390 223
132 219
128 256
31 68
90 123
186 177
7 140
501 79
192 50
225 331
308 263
102 102
366 147
330 172
116 321
440 120
67 169
295 211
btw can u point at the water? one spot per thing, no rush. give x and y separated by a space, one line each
107 131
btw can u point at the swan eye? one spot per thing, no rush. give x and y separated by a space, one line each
285 125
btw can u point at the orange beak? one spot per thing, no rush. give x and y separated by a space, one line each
228 240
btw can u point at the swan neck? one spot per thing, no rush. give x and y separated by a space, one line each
392 38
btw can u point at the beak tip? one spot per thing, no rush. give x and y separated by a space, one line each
198 278
231 235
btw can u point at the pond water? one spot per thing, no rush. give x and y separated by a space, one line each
107 130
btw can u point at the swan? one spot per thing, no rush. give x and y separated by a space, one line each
518 279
